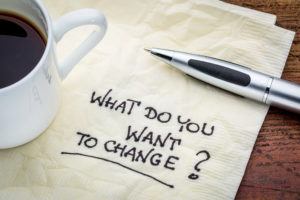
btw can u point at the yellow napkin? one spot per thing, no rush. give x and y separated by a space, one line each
261 17
131 127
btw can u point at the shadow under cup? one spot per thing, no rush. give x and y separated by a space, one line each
23 39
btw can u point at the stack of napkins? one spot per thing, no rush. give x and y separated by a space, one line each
131 127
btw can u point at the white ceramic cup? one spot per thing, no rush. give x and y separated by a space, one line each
28 106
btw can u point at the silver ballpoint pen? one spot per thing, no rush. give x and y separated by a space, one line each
234 78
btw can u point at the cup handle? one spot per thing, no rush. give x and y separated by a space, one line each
73 20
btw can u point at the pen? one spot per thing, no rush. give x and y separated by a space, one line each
234 78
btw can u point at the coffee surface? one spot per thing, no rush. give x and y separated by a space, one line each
21 48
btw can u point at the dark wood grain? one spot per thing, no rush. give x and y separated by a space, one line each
273 171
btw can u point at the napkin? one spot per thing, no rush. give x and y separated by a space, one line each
131 127
259 16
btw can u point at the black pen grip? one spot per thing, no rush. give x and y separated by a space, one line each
221 72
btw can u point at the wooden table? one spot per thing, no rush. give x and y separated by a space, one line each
273 171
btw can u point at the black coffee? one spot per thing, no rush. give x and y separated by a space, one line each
21 47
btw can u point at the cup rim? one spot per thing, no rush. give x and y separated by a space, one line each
43 58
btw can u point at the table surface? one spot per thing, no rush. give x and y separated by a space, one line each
273 171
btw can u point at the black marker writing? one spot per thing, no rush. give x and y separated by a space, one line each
89 142
107 101
119 164
150 141
153 139
182 122
133 103
212 128
145 156
171 162
162 117
205 156
99 99
193 127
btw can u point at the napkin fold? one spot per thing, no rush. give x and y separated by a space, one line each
131 127
255 15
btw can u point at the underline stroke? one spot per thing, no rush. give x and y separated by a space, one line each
119 164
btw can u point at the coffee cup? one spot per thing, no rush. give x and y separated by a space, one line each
29 100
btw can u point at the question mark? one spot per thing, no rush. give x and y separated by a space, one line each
194 176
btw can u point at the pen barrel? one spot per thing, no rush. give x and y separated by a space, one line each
235 78
284 94
228 76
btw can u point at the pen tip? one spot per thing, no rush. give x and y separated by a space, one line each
147 49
